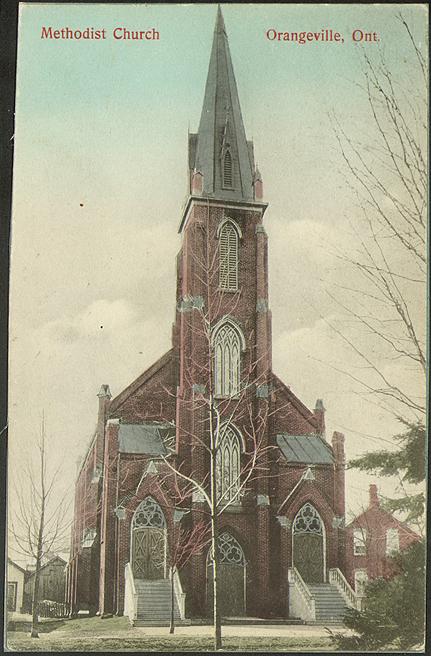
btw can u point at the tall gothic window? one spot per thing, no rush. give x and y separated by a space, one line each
227 361
228 252
227 170
228 465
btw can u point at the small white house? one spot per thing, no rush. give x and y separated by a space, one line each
15 586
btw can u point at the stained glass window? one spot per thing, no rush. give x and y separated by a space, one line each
227 362
228 465
308 521
149 513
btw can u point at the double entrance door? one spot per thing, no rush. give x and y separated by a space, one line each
309 545
149 553
308 557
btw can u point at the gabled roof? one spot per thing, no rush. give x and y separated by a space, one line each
12 562
307 449
49 562
138 382
297 403
148 439
361 520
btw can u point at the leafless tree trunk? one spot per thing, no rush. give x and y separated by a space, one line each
188 543
220 414
38 524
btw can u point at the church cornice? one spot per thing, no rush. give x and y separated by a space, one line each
205 201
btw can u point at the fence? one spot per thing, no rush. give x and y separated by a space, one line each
48 608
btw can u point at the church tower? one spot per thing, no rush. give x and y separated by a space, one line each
222 334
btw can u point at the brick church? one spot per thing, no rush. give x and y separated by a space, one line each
277 485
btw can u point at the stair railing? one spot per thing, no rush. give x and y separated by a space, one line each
180 594
337 578
130 594
301 601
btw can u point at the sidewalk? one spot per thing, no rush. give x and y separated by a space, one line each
265 631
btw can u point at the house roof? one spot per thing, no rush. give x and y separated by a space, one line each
49 562
12 562
148 439
308 449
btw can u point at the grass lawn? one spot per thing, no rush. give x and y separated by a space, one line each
116 634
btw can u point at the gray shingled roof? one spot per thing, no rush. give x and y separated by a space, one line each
309 449
143 438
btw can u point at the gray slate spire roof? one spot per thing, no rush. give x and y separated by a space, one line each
221 129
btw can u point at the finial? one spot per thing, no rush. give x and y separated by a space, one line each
220 21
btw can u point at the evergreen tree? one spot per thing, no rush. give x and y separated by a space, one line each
407 463
393 617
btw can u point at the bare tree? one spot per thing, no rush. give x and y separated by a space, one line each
38 523
189 542
219 411
387 171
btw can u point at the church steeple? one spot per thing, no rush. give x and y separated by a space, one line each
221 160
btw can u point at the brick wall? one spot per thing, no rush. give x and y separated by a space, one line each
375 521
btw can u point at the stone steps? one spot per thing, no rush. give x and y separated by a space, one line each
154 604
329 603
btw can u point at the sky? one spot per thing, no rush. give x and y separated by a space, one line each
100 177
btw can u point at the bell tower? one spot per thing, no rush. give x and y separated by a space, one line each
222 333
222 268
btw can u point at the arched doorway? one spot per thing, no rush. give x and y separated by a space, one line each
148 541
232 574
308 537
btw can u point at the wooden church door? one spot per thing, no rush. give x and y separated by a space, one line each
232 578
148 546
308 545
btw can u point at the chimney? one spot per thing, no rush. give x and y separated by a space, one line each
374 499
319 413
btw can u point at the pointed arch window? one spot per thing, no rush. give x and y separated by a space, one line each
228 255
228 465
227 361
227 170
308 521
149 514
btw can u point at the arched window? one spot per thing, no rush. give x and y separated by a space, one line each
228 253
308 521
229 549
227 360
228 465
227 170
149 514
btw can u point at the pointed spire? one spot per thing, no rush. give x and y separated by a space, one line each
220 150
220 26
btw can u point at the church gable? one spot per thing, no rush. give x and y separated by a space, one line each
151 397
291 416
